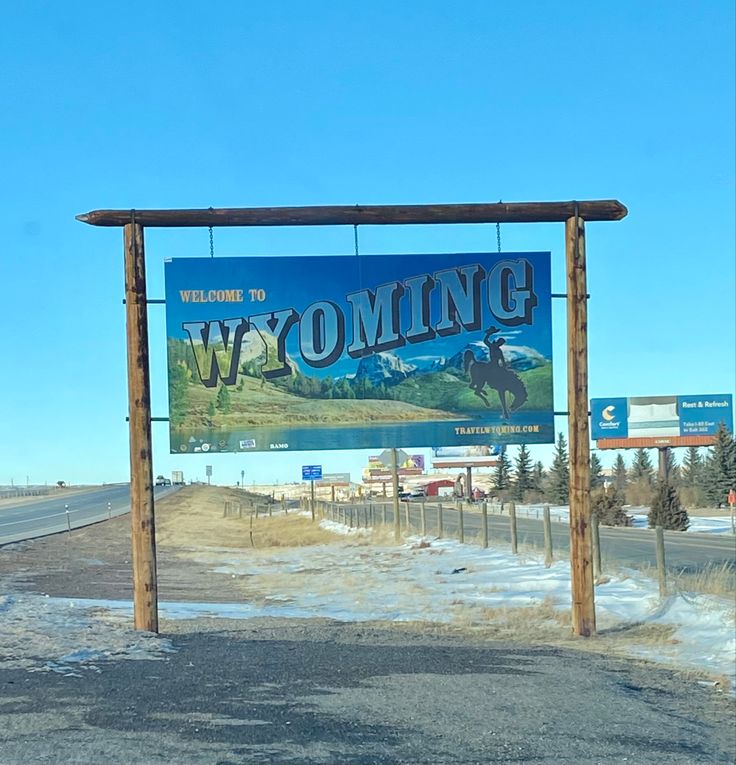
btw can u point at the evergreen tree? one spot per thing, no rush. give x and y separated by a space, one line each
523 479
211 411
559 474
641 467
223 399
720 467
538 476
502 473
666 510
692 468
620 474
596 471
608 506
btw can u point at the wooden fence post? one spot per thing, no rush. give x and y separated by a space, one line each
512 524
462 522
547 537
484 512
661 564
596 543
440 522
423 512
395 487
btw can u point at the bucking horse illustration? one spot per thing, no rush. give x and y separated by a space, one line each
495 374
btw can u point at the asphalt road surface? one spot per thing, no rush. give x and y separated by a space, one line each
685 551
50 515
290 691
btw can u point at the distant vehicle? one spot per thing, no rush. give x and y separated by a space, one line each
177 477
418 491
160 480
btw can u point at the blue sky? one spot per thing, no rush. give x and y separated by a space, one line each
296 103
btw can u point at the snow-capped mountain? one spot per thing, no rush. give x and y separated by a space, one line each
383 367
517 357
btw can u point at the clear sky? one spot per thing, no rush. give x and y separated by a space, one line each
297 103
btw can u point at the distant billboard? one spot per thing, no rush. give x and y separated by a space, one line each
302 353
659 420
465 456
379 466
335 479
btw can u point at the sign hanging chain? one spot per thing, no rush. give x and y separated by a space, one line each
212 243
498 233
355 236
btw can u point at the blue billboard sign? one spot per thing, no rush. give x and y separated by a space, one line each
299 353
660 417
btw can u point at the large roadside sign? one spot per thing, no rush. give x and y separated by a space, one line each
319 353
659 420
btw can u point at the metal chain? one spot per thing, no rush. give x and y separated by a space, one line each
498 232
355 235
212 243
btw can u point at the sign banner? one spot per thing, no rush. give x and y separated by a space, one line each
298 353
664 420
465 456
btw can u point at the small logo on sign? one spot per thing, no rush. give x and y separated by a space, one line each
608 414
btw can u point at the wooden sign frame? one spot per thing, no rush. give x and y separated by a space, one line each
573 214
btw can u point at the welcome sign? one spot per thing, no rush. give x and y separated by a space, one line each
337 352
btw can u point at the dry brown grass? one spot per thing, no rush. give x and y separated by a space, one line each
193 517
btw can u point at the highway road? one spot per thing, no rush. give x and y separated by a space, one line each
686 551
60 512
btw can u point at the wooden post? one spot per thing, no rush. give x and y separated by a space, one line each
395 487
311 504
547 537
407 518
383 512
440 522
423 512
462 521
484 512
581 564
512 526
664 463
332 490
469 483
661 567
142 520
596 543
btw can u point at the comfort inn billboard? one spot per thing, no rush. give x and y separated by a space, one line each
659 420
271 353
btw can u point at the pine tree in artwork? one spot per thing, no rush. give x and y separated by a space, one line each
502 473
641 467
523 478
559 474
719 474
620 475
223 399
666 510
596 471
